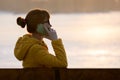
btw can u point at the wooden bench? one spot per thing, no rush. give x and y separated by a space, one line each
59 74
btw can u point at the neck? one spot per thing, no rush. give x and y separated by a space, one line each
37 36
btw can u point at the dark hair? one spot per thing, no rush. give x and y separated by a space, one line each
33 18
21 22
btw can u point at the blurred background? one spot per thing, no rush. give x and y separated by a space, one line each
90 30
60 6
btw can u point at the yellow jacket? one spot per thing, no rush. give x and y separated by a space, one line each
34 53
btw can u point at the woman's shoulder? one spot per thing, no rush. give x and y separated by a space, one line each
39 46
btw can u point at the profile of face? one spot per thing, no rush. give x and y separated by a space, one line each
47 25
43 28
46 22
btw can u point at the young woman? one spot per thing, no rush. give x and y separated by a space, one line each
32 50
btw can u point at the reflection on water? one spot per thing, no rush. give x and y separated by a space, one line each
91 40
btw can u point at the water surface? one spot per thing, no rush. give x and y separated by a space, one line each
91 40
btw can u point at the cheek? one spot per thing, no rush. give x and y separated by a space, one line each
47 25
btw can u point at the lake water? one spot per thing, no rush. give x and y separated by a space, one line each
91 40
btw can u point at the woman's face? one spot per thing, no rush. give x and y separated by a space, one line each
47 24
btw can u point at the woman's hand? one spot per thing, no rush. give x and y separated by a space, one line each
52 35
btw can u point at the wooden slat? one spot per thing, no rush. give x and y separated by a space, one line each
59 74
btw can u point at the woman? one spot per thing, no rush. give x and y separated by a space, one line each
31 49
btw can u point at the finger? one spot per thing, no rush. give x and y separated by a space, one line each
51 30
46 29
54 31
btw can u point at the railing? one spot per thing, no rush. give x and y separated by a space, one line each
59 74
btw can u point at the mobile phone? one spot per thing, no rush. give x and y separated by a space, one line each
41 29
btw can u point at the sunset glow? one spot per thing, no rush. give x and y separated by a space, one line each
98 52
98 32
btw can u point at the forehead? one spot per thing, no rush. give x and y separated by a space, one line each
46 19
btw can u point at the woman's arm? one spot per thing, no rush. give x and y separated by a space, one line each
43 57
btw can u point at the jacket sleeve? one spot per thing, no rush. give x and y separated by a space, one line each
43 57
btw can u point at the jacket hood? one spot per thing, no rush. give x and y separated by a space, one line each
23 45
